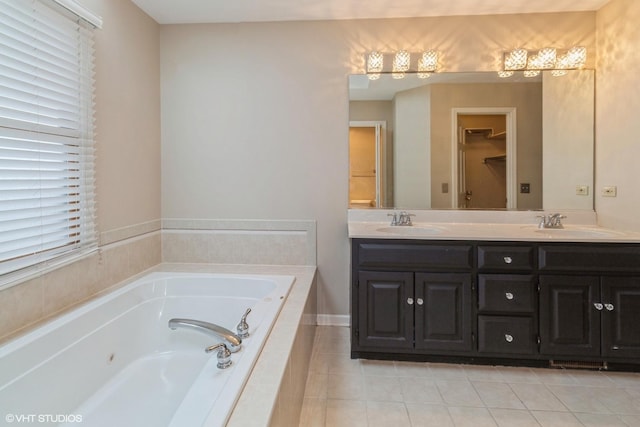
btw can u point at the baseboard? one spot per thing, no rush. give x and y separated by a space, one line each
333 320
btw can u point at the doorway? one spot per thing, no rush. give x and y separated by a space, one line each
483 162
365 177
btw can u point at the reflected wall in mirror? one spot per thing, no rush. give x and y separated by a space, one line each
474 141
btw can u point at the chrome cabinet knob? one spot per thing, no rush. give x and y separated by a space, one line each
508 296
609 307
508 260
508 338
410 301
420 301
598 306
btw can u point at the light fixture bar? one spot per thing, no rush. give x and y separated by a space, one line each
548 58
401 63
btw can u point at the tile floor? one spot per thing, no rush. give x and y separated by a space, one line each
353 393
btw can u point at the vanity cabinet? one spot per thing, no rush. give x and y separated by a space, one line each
595 314
411 297
496 301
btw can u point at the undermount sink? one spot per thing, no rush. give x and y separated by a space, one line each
577 232
411 230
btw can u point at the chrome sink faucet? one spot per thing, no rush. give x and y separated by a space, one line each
403 218
551 220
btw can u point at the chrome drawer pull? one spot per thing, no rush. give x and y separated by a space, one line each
410 301
508 338
420 301
609 307
598 306
508 260
509 295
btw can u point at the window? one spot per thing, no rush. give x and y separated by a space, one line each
47 207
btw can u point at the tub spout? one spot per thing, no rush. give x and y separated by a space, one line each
232 341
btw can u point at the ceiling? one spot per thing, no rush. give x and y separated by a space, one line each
218 11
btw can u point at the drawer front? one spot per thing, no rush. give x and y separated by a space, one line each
415 256
612 258
509 293
505 257
505 335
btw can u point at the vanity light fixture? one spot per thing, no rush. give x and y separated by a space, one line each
401 63
375 63
548 58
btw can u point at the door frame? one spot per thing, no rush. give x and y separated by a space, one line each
381 129
511 145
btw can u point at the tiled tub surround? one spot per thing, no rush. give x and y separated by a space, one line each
269 242
273 394
47 294
114 359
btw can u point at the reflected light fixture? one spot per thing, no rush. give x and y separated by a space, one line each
401 63
548 58
427 64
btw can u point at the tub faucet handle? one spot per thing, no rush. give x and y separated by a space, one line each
224 355
243 326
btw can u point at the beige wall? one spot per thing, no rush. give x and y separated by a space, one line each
127 115
617 106
255 116
127 106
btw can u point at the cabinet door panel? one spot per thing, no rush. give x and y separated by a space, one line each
569 322
443 319
621 316
385 318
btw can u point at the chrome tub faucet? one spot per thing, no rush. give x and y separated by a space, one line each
232 341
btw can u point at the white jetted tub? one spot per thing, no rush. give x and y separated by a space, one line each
115 362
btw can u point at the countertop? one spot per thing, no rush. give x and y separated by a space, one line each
499 226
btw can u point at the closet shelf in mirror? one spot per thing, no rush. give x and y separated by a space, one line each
500 158
499 135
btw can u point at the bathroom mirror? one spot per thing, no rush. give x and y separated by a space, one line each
472 141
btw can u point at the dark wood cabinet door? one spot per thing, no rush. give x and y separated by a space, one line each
443 311
385 317
621 316
569 321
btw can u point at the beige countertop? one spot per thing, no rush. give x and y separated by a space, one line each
492 226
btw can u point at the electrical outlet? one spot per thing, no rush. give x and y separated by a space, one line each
610 191
582 190
525 188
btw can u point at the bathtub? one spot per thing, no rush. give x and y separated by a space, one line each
114 361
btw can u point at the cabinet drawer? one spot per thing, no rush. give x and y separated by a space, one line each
505 257
612 258
415 256
508 293
505 335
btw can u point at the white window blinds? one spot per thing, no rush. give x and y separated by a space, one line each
47 207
